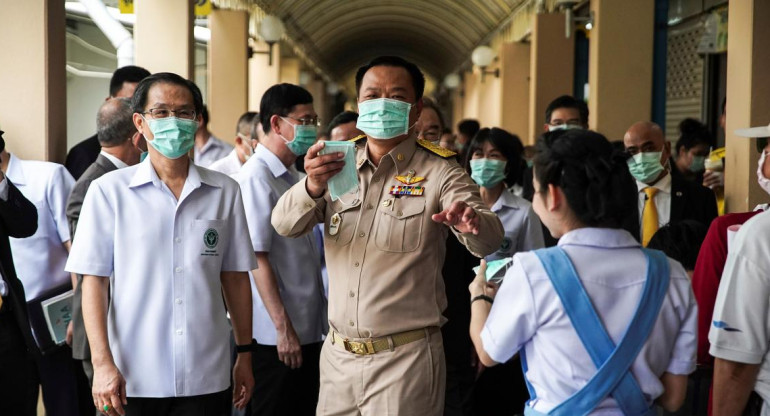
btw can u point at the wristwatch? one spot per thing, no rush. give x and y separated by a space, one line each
247 348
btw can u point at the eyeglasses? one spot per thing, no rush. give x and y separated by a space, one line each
163 113
315 121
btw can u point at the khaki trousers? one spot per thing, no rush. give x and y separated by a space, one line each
409 380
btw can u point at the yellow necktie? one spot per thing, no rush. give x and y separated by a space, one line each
649 216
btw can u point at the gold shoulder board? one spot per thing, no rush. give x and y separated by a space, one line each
357 138
438 150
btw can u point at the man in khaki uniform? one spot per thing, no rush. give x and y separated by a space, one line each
385 248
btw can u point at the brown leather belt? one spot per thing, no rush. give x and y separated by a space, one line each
368 346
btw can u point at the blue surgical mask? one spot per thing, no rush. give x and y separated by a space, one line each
487 172
143 156
304 137
172 137
346 180
383 118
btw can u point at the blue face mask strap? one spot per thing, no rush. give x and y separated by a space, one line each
614 364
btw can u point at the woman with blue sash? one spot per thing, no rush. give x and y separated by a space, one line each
602 326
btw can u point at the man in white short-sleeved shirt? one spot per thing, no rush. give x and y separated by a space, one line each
40 260
290 308
739 327
527 313
166 235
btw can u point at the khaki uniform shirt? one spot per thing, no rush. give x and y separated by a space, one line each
385 257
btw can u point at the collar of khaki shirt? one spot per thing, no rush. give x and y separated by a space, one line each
401 154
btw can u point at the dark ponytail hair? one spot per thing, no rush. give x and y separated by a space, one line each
593 176
692 133
506 143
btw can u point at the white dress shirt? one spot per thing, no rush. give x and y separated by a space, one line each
296 265
523 231
115 161
662 199
229 165
213 150
40 259
739 330
167 326
528 314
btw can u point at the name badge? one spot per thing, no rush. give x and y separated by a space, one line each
334 224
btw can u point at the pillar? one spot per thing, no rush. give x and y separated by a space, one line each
290 70
470 95
33 111
163 36
552 67
748 99
228 70
620 65
489 90
514 76
262 75
317 88
458 109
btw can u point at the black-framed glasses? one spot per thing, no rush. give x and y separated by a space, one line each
164 112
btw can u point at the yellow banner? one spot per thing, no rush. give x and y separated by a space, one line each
202 7
126 6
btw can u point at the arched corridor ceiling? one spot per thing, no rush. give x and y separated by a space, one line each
438 35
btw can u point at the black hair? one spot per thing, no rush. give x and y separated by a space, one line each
681 241
593 176
418 79
567 101
129 73
342 118
692 133
139 100
245 120
205 115
469 127
506 143
429 103
279 100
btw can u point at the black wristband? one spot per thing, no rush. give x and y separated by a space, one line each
482 297
247 348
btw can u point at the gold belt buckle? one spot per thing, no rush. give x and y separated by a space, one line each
357 347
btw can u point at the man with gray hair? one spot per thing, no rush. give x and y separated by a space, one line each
122 146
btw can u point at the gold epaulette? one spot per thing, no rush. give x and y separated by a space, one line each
357 138
438 150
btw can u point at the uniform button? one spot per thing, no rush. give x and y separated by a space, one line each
375 179
361 234
308 205
399 213
356 264
178 269
351 323
352 295
179 332
178 301
178 240
400 157
369 206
